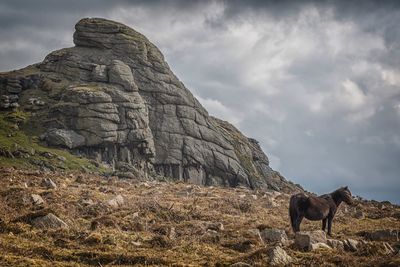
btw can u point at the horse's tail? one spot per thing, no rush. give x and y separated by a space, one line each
297 207
293 212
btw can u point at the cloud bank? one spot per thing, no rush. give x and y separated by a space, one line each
316 82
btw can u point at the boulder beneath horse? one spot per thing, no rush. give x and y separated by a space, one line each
305 239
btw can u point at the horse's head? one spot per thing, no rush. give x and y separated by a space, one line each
345 194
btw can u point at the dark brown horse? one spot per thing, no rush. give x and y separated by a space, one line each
317 208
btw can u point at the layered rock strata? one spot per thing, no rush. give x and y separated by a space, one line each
113 98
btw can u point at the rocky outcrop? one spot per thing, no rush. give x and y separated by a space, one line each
113 98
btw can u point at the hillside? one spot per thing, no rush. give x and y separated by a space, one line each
115 222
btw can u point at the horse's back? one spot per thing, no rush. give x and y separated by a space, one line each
298 200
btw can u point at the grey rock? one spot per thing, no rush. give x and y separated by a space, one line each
350 245
317 246
274 235
48 182
65 138
121 74
116 201
49 221
240 264
37 199
359 214
278 257
305 239
384 235
335 244
215 226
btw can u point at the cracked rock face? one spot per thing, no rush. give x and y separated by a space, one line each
115 90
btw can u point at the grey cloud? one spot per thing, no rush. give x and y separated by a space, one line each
277 69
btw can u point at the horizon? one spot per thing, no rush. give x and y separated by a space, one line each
316 83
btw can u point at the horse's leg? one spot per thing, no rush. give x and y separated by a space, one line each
324 224
330 218
298 222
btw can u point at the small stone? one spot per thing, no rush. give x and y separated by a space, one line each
87 202
216 226
240 264
37 199
116 202
49 221
359 214
136 243
210 236
278 257
317 246
47 182
61 158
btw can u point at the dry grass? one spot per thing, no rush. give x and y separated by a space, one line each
161 224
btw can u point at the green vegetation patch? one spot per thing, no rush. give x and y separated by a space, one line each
19 149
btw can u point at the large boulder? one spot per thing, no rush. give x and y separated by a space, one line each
305 239
64 138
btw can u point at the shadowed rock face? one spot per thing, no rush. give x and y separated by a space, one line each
115 90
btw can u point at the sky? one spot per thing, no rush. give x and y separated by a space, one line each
316 82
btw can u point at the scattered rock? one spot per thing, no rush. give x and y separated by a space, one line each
47 182
270 202
350 245
210 236
37 199
383 235
317 246
87 202
278 257
304 239
116 202
240 264
216 226
241 246
359 214
274 235
49 221
336 244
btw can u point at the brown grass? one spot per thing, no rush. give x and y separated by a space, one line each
161 224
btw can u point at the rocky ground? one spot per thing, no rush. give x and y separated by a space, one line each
81 219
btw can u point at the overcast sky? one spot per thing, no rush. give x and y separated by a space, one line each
317 83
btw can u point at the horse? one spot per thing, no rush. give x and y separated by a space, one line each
323 207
